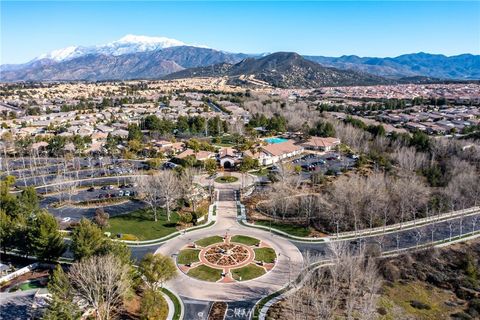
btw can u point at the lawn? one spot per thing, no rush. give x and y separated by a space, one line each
176 304
141 225
260 173
226 179
205 273
188 256
248 272
205 242
396 300
292 229
35 284
267 255
249 241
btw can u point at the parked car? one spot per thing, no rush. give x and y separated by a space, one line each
169 165
127 193
120 193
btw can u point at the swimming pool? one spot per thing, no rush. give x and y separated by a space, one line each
275 140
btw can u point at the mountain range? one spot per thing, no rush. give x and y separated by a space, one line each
141 57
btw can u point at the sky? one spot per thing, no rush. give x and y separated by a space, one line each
329 28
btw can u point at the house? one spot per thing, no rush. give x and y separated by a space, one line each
320 143
415 126
120 133
228 157
169 147
200 155
273 153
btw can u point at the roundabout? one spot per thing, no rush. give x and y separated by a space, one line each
226 259
230 262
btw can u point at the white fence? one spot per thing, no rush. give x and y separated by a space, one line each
19 272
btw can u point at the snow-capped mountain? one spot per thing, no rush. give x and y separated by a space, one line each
127 44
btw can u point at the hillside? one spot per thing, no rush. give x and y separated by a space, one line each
283 69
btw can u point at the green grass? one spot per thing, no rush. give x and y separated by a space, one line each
176 304
263 301
205 242
205 273
260 173
292 229
267 255
249 241
188 256
140 223
226 179
35 284
248 272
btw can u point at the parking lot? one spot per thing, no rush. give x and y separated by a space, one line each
332 163
47 171
70 213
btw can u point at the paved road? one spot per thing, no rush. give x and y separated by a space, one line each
77 213
404 239
17 305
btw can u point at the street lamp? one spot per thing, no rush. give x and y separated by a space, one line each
289 267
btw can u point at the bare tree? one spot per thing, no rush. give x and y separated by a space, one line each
189 188
409 159
149 191
169 188
101 283
70 188
347 288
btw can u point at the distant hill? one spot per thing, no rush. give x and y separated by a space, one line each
460 67
282 69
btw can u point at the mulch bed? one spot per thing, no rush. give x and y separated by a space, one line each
217 311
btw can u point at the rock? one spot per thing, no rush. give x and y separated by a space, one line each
382 311
419 305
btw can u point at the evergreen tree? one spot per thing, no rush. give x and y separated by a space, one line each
87 240
61 305
43 238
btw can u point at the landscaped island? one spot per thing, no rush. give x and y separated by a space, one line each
226 259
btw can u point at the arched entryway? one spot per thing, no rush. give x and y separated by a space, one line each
227 165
